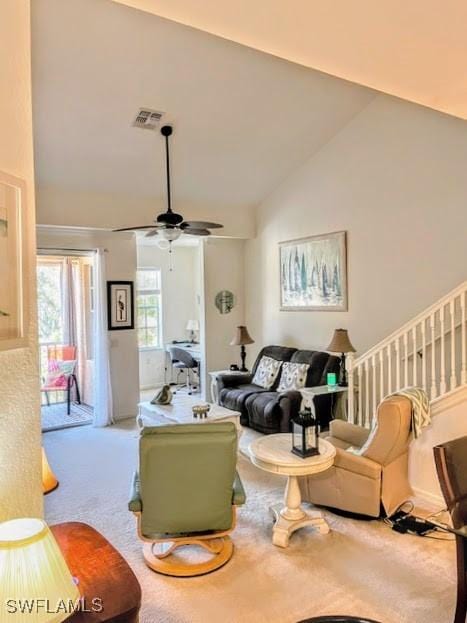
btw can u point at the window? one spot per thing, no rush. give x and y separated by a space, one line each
148 308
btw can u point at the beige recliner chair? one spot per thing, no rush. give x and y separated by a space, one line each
374 472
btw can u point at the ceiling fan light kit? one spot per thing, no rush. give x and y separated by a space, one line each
169 225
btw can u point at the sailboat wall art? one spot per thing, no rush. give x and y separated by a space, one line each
313 273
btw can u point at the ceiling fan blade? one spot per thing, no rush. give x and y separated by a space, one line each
154 232
196 231
200 225
135 228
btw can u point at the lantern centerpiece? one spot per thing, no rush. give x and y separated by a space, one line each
305 434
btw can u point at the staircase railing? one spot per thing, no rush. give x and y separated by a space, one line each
429 351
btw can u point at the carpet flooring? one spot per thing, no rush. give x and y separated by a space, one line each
360 568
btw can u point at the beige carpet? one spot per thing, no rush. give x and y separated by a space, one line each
360 568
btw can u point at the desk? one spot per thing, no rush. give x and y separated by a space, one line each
189 347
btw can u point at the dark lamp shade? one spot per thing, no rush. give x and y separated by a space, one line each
340 342
241 337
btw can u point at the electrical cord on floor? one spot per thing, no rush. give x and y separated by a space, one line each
403 521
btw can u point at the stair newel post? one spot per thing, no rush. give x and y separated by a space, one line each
351 388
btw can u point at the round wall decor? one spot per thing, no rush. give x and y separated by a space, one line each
224 301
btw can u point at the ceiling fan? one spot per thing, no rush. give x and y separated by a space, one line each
169 224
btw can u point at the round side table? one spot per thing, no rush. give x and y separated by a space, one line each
273 454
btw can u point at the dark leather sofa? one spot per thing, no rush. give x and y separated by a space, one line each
270 411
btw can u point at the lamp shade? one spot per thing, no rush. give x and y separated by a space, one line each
192 325
340 342
241 337
33 574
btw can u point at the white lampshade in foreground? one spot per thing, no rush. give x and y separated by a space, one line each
33 570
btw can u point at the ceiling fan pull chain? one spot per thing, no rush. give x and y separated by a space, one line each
170 257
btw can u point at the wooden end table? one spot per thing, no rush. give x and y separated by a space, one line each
102 574
339 408
273 454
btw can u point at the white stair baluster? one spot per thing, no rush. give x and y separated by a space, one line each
388 351
424 361
398 365
373 381
442 378
351 391
360 392
381 375
453 377
367 397
414 356
433 391
406 360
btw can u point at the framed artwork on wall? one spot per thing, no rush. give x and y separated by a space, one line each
313 273
13 284
120 305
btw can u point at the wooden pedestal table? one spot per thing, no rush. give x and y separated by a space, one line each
273 454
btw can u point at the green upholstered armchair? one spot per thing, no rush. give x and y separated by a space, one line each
185 493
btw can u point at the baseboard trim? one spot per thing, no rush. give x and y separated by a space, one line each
425 498
449 400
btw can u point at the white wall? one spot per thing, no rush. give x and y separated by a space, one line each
223 269
394 179
181 297
20 482
120 266
448 422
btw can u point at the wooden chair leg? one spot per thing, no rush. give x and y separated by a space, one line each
461 606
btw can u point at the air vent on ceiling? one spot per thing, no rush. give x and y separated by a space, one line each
147 119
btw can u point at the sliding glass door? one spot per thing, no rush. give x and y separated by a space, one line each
65 323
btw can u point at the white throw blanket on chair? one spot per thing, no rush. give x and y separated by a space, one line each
421 410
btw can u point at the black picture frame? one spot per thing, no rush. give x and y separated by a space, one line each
127 292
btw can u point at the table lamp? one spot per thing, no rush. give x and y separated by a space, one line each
192 326
33 574
241 338
341 343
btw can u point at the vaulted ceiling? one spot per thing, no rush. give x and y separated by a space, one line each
243 119
415 49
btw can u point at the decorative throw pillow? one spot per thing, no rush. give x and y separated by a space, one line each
266 372
58 373
293 376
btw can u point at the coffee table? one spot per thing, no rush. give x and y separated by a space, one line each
273 454
180 413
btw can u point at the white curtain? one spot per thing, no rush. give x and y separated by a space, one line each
103 409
